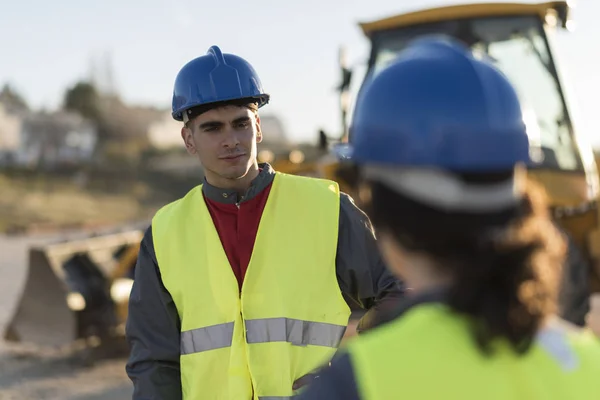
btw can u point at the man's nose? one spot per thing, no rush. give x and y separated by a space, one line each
231 139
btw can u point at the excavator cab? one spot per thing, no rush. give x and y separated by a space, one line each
519 39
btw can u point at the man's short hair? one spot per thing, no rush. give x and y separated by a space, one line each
193 112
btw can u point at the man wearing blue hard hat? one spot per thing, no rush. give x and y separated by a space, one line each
440 149
241 286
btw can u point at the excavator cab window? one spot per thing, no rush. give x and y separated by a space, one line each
518 46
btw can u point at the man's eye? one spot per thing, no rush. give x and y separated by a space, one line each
244 125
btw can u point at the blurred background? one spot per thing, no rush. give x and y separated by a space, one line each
86 90
88 148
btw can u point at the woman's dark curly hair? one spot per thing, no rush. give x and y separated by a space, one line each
505 266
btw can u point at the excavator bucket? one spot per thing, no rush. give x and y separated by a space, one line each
68 293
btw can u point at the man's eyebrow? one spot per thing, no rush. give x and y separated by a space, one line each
219 124
238 120
211 124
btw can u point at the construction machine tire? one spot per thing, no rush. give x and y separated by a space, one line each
67 293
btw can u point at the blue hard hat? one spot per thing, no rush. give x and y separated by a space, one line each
214 78
438 106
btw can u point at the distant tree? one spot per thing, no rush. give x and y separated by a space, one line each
12 100
84 99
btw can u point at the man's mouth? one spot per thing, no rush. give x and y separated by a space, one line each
232 156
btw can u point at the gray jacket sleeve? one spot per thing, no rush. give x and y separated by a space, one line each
574 299
152 332
364 280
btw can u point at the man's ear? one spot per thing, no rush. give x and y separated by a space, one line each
187 135
259 136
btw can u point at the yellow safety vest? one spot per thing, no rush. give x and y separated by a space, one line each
290 316
429 354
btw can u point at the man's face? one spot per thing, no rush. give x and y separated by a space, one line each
224 139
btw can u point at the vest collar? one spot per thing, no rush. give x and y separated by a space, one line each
265 178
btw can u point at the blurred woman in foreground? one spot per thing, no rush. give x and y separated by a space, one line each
441 151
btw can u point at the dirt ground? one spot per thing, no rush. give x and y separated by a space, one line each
53 375
39 373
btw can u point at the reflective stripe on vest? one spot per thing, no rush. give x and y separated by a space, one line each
208 338
451 366
300 333
290 315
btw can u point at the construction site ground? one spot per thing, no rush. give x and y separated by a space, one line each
27 372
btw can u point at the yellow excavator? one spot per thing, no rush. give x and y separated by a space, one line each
79 289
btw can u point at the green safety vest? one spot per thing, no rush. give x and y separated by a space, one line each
430 354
